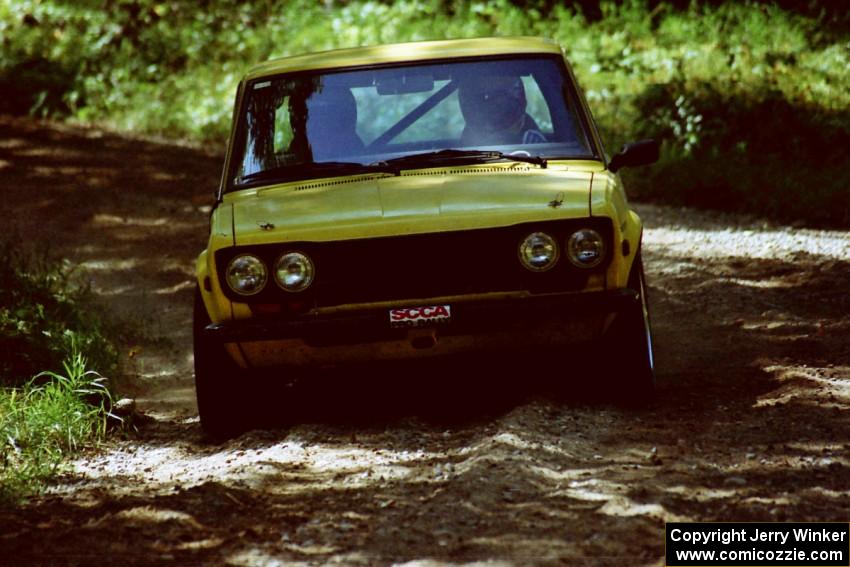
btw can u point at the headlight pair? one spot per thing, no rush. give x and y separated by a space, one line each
247 274
539 251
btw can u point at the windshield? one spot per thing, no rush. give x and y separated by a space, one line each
314 124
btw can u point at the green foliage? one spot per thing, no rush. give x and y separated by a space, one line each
677 69
46 421
45 318
781 159
46 327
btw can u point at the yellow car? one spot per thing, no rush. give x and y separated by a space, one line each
416 200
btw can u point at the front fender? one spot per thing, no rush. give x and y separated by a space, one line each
219 308
608 199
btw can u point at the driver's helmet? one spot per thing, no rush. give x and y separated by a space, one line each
332 123
492 103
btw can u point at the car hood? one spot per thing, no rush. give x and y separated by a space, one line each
369 206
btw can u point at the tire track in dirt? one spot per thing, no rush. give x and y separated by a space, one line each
454 462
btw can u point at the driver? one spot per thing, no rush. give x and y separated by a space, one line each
494 110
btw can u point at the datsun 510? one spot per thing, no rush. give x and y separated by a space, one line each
417 200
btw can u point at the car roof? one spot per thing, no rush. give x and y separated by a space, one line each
401 52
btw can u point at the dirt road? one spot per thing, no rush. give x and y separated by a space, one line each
752 421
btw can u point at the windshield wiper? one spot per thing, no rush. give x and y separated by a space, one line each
305 170
536 160
461 155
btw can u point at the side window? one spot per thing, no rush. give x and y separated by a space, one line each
282 127
269 132
378 113
536 105
443 122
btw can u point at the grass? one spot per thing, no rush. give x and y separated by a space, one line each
45 422
717 82
52 401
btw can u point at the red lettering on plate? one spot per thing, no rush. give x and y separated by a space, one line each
421 314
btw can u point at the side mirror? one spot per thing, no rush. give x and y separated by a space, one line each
633 154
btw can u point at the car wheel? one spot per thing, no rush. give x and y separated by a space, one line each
629 341
217 381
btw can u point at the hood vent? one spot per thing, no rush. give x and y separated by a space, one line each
522 169
429 172
344 181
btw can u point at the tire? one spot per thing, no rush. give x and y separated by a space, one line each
629 344
218 382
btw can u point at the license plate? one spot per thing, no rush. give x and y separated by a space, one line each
420 316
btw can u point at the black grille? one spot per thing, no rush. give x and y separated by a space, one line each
421 266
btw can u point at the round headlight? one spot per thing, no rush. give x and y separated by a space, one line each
294 271
538 252
585 248
246 274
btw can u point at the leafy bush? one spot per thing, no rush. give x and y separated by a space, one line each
45 318
171 68
782 160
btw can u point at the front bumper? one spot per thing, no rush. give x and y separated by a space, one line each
587 313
